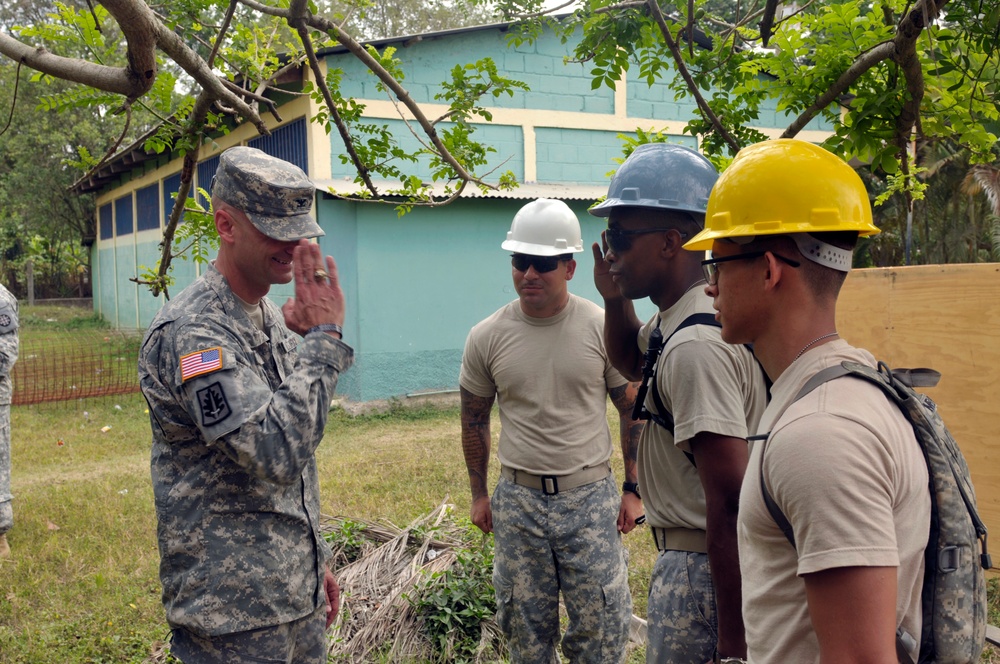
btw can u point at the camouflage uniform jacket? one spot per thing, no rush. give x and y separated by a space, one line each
8 356
233 465
8 343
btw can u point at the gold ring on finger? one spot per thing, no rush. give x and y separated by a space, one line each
320 274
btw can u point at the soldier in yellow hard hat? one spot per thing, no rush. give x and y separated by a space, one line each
840 461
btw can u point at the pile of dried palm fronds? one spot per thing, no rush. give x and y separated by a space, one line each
377 619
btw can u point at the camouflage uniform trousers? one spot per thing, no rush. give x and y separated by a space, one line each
302 641
568 542
6 511
683 626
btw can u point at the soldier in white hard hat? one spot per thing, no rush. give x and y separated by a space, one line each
556 513
239 392
702 398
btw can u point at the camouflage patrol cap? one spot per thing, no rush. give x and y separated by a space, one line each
277 196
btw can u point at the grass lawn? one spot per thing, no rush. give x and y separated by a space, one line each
82 585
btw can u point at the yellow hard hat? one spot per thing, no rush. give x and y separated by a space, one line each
785 186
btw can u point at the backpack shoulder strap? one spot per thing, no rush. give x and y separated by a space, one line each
828 374
664 417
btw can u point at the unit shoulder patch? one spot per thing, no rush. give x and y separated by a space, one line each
214 404
8 318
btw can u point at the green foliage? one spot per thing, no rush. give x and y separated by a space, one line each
347 541
197 235
807 55
825 50
455 603
369 19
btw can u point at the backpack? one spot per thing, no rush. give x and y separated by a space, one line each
953 595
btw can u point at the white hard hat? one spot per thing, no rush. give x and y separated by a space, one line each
544 227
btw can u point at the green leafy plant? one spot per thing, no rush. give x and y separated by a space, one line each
347 541
456 602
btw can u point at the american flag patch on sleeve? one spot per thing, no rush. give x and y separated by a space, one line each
200 362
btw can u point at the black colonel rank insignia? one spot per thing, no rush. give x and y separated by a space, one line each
214 405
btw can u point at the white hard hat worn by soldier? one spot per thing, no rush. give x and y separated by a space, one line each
544 227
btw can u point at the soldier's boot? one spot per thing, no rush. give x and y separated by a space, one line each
4 547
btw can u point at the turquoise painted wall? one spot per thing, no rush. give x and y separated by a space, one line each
105 299
553 84
657 101
507 141
428 277
147 253
126 290
582 156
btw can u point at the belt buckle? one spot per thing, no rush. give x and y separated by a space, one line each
550 485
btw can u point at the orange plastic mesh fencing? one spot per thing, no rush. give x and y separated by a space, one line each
92 363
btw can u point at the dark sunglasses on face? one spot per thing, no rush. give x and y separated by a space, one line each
542 264
619 239
711 266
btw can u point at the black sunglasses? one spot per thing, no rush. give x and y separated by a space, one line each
620 239
711 266
542 264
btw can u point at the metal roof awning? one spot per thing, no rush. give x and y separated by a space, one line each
345 188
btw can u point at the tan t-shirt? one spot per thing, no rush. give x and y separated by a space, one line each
708 386
551 377
843 465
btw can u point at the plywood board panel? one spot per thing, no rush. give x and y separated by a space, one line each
946 317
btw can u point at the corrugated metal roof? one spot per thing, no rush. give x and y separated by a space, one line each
344 187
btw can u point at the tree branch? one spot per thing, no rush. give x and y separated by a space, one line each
195 121
905 42
140 26
686 75
116 80
359 51
866 61
299 22
193 64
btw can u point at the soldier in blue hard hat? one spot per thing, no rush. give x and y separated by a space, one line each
239 390
700 395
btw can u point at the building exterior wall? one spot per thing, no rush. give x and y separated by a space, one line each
415 285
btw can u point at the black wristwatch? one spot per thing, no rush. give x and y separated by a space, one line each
631 487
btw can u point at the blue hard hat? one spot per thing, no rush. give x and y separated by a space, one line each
662 176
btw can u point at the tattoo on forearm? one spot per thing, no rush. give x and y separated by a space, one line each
623 398
630 447
476 439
